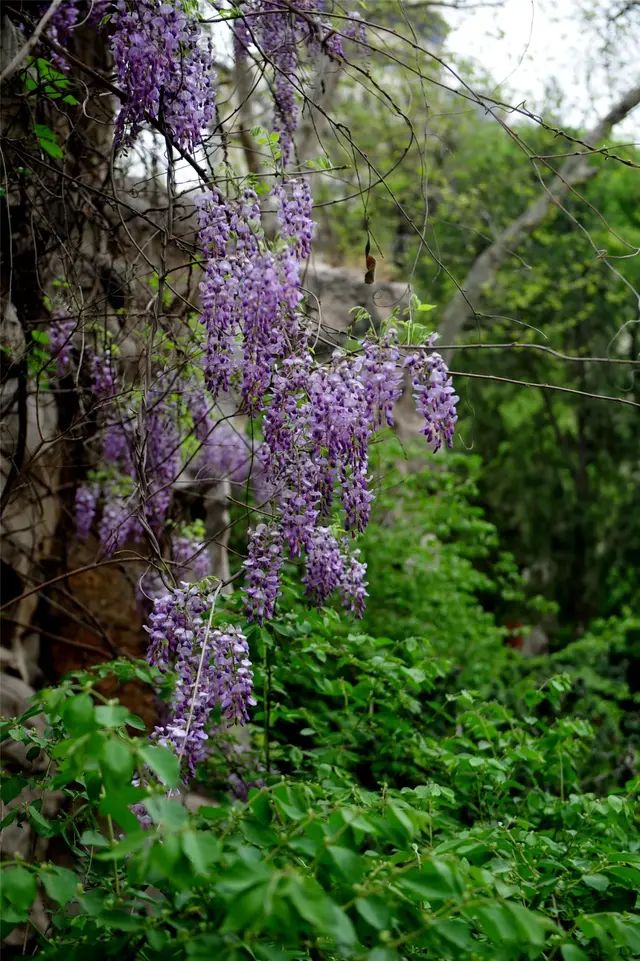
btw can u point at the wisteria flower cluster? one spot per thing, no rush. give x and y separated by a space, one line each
281 33
61 330
212 669
66 17
331 567
317 420
249 289
163 71
142 456
435 396
318 427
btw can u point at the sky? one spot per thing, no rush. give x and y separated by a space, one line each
528 44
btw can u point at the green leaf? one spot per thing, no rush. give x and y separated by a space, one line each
9 818
39 823
497 923
201 848
457 932
11 787
242 911
117 759
77 714
433 881
374 911
241 876
116 802
53 149
43 132
18 887
311 902
162 762
597 881
571 952
316 907
164 811
122 920
165 855
532 925
348 862
111 715
131 843
626 874
93 839
60 884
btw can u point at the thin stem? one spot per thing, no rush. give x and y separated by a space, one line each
199 674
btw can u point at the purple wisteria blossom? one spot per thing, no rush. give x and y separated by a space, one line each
380 370
118 522
324 567
162 449
212 669
249 290
281 33
318 427
61 331
118 441
262 566
329 567
86 506
354 585
435 397
162 70
229 243
294 215
103 380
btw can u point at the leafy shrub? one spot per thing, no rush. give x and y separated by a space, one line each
480 842
429 795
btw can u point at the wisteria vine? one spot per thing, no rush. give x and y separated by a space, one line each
314 422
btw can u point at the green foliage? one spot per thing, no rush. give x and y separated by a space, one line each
418 796
561 472
493 851
43 80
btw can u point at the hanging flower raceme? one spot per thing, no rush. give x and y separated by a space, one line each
118 523
103 375
262 566
212 669
354 585
61 331
380 370
281 33
86 506
294 215
66 17
317 430
162 449
435 397
163 71
250 290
